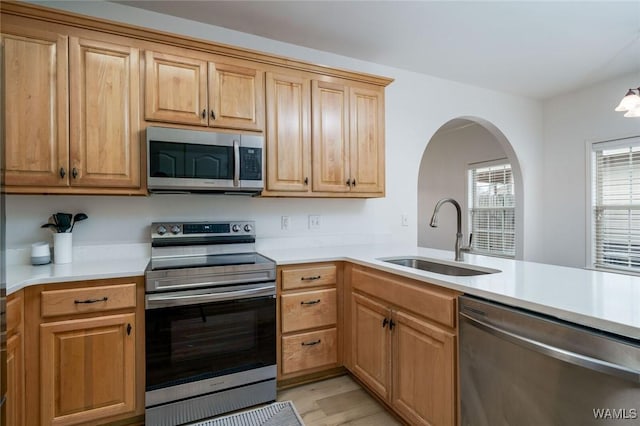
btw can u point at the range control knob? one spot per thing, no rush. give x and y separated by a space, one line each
247 228
235 228
161 230
175 229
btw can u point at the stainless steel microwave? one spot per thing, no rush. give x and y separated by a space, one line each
180 160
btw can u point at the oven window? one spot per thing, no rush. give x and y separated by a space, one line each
196 342
192 161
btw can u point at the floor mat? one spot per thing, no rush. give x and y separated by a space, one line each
276 414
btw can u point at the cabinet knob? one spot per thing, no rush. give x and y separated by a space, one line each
74 173
353 182
62 172
384 322
349 182
204 114
213 115
306 181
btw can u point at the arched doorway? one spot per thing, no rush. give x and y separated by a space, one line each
459 145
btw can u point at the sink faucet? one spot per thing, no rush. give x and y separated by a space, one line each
434 224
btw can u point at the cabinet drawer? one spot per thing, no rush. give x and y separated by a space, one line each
309 350
88 299
308 309
308 276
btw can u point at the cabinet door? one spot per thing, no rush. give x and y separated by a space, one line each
175 89
87 369
15 360
367 140
288 137
330 137
35 107
236 97
423 371
371 342
15 381
105 137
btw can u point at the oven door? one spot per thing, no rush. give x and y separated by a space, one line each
226 340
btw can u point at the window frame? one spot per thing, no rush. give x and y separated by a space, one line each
469 202
590 200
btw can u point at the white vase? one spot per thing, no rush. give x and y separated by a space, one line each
62 247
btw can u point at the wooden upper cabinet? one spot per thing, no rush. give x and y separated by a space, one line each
367 140
105 137
175 89
330 137
288 133
224 94
35 107
236 97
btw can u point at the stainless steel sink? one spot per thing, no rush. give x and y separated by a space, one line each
439 267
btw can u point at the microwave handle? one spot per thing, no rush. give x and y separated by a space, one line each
236 163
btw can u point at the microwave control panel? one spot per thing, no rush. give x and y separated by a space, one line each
250 163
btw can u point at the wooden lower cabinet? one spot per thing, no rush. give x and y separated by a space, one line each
15 361
87 368
309 321
423 371
371 344
405 355
85 364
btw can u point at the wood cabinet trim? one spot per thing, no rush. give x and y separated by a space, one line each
145 34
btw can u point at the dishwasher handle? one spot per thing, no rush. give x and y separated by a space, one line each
557 353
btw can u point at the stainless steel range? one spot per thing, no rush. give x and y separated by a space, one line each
210 322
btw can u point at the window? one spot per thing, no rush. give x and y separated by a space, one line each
492 209
616 204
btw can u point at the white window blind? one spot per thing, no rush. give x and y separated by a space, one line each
616 205
492 210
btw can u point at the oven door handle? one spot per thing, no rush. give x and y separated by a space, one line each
165 301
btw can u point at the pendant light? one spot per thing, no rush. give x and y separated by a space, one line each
630 103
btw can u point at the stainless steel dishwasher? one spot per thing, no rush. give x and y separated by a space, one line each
520 368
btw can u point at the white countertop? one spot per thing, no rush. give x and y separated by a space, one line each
601 300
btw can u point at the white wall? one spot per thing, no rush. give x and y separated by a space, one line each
443 174
569 122
416 106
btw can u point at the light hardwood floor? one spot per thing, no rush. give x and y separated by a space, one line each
337 401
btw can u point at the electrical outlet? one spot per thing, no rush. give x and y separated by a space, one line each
285 223
314 221
404 220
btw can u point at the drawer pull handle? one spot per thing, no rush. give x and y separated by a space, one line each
311 343
317 277
104 299
311 302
